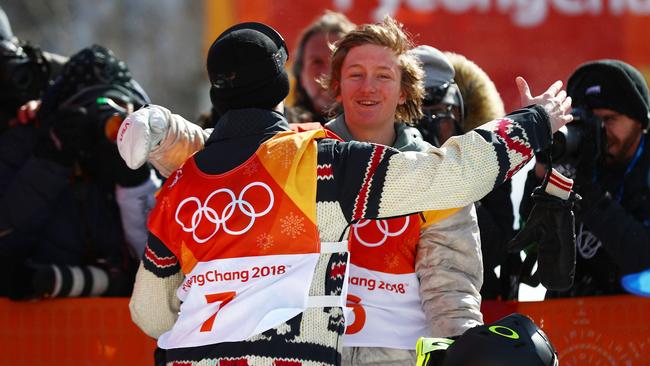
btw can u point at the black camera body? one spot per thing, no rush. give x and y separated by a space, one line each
578 142
442 103
429 126
24 73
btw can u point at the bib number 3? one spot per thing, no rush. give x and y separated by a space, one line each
359 312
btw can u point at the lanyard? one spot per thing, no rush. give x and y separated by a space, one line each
630 166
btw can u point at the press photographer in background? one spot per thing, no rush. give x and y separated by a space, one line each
72 218
606 152
25 72
459 97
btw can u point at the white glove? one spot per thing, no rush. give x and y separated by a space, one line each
141 132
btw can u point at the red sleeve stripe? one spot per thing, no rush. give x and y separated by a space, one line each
362 199
561 181
286 363
515 169
160 262
561 185
504 129
325 171
234 362
521 147
338 270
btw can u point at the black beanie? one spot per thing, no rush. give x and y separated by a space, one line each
246 68
611 84
92 72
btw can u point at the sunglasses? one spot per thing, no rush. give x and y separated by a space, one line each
435 94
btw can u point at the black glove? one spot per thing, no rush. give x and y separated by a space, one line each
551 225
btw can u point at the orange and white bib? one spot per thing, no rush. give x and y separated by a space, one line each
242 238
384 291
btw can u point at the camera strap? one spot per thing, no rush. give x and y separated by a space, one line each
630 166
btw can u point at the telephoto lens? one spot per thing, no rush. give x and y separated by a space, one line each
576 140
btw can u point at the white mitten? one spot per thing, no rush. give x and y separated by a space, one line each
141 132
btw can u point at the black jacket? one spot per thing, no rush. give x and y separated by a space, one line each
612 234
495 219
51 215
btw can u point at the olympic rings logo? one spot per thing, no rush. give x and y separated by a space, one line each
220 220
382 226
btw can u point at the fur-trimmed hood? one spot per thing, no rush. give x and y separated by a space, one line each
480 96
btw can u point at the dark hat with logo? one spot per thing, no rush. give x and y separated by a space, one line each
611 84
91 73
438 77
246 68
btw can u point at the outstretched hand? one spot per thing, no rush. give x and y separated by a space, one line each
554 100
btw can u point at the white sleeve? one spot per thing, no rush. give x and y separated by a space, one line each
155 317
449 266
166 140
183 139
135 204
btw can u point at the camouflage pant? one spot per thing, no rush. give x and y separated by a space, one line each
375 356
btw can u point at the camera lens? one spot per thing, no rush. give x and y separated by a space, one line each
566 144
577 140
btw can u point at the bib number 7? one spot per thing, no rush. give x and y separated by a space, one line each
224 297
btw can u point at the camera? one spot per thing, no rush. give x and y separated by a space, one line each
442 108
24 73
434 124
577 141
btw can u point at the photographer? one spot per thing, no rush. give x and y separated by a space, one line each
71 210
25 72
461 96
607 154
